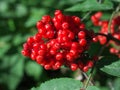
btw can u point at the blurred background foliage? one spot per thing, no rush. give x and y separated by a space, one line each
17 22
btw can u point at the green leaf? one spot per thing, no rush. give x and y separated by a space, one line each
112 69
18 39
12 69
94 48
117 84
3 7
116 0
60 84
66 2
4 47
33 69
92 88
36 14
107 60
21 10
91 5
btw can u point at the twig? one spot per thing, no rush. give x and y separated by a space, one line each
86 15
87 78
113 14
109 37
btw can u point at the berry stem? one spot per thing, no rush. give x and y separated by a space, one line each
109 37
88 80
92 70
88 13
113 14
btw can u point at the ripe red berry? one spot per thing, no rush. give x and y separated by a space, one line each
47 67
39 24
98 15
82 42
90 64
53 51
81 34
59 56
74 67
39 59
58 12
69 57
65 25
46 18
86 68
60 40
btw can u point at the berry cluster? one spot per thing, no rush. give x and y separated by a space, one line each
61 40
114 31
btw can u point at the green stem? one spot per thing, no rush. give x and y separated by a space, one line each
86 15
87 82
110 21
113 14
87 78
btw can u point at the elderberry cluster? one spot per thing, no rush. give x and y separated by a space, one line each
61 40
114 31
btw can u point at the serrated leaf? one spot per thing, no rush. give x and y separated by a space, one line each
33 69
112 69
92 88
60 84
91 5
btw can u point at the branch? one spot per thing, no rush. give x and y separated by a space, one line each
109 37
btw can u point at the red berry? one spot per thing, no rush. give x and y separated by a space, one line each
82 42
39 24
76 19
53 51
98 15
41 52
46 18
73 52
74 67
71 35
65 25
48 26
59 56
81 34
86 68
90 64
50 34
47 67
57 65
39 59
58 12
69 57
60 40
95 39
